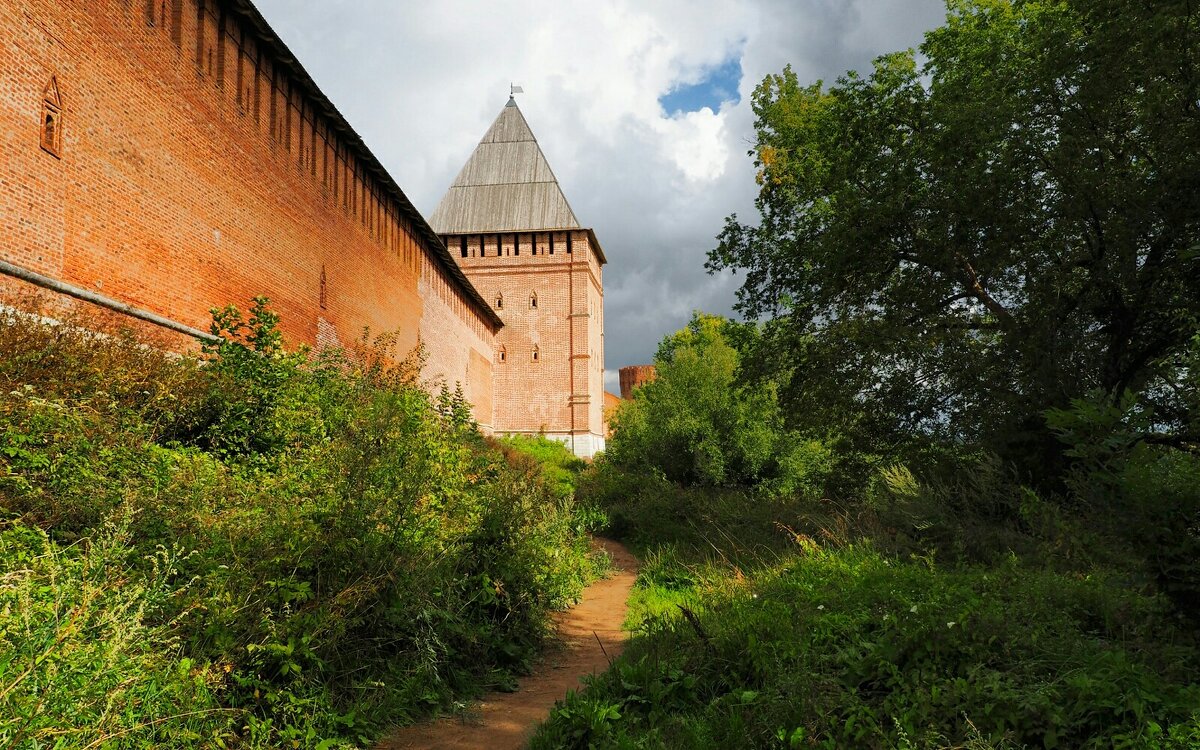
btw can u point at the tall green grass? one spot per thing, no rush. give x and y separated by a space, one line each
904 621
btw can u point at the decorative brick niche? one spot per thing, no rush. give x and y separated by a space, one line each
52 125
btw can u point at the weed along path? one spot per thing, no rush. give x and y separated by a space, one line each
589 635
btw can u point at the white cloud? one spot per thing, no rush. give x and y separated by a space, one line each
422 81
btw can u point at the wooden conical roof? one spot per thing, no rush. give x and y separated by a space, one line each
506 185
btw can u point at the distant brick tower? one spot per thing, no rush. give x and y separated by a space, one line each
635 376
508 224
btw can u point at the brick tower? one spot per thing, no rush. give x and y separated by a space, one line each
508 224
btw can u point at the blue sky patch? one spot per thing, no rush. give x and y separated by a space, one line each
719 85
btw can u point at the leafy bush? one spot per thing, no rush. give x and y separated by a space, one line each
356 554
560 466
1148 493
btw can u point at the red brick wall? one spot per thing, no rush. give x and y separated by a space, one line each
465 358
194 173
562 393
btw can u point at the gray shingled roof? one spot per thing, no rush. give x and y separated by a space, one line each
506 185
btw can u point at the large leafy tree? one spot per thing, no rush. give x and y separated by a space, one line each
955 246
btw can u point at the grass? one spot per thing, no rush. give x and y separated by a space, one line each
770 625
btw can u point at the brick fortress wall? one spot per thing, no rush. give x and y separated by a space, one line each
561 392
190 168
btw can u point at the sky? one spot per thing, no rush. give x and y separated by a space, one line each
642 108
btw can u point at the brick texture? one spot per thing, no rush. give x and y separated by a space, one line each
561 392
634 376
194 172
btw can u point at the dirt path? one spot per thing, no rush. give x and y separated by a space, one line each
505 721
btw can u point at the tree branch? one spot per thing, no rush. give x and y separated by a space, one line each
976 290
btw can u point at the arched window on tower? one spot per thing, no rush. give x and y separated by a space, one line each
501 354
533 300
536 353
499 300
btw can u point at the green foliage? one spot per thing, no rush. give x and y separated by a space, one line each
1148 494
697 424
355 554
559 465
950 249
251 368
1159 512
847 648
86 659
946 605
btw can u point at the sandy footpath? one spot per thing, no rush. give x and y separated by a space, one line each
505 721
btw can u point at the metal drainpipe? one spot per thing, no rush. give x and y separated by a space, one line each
62 287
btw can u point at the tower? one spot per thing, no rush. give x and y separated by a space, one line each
509 226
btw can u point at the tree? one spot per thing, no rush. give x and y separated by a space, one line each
953 248
698 424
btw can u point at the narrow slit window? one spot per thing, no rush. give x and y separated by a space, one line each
462 245
552 243
516 244
533 300
502 355
536 353
324 293
570 243
499 301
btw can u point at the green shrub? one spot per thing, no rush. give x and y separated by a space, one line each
560 466
1147 493
699 424
356 553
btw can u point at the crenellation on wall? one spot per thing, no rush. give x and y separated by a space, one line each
181 187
